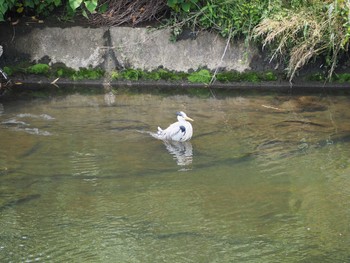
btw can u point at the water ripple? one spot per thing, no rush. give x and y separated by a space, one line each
84 164
24 126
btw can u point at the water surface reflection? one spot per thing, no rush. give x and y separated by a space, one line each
181 151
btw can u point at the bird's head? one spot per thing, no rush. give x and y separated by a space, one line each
182 116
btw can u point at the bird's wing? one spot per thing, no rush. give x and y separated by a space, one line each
174 132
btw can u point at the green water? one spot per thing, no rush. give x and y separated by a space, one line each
265 178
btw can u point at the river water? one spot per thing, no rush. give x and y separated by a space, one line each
265 178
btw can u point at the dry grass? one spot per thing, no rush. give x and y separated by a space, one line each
130 12
302 35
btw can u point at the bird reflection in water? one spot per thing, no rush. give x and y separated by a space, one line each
181 151
176 139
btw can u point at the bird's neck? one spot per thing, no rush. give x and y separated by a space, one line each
180 119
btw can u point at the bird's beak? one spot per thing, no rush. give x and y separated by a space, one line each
188 119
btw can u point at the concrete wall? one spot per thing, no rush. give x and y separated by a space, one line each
120 47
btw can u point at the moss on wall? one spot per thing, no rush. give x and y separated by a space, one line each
203 76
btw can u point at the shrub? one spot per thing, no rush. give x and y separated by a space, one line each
182 5
228 17
46 7
314 29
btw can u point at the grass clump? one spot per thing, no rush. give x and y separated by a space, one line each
39 69
313 29
131 74
228 76
153 75
336 77
269 76
317 77
64 72
342 78
201 76
8 70
172 76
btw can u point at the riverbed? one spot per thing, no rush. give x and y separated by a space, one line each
265 177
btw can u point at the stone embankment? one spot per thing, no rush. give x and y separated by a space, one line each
117 48
122 47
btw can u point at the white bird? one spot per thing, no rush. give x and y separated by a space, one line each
179 131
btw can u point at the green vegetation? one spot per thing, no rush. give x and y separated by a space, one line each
199 76
341 78
336 77
306 30
294 33
203 76
47 7
230 18
56 71
131 74
182 5
233 76
159 74
38 69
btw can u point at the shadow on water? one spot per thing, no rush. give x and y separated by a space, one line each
19 201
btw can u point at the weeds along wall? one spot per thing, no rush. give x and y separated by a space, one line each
296 32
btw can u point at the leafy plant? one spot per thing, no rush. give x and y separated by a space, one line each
182 5
229 76
5 5
154 75
46 7
201 76
131 74
87 73
269 76
228 17
64 72
231 17
89 5
114 75
41 7
167 75
341 78
8 70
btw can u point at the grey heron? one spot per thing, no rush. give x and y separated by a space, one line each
179 131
